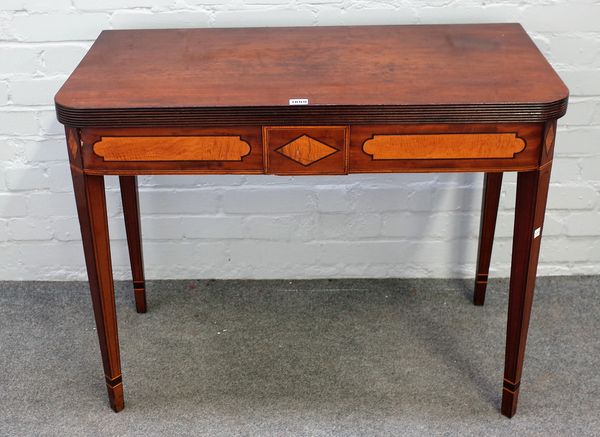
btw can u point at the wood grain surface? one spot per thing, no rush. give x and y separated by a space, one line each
444 146
173 148
388 74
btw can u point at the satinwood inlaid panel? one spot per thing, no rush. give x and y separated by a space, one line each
305 149
444 147
172 148
176 150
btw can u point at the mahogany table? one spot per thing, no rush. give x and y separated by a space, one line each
313 101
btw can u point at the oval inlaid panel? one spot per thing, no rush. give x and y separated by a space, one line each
444 146
183 148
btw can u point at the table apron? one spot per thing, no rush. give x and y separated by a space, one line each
314 150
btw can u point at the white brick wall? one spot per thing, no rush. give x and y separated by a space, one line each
275 227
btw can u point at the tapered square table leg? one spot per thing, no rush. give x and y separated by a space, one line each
131 213
91 209
489 211
532 193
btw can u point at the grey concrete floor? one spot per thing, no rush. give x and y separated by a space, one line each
322 357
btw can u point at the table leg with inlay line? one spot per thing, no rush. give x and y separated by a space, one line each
93 219
492 184
131 214
530 206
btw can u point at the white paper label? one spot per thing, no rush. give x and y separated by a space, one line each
298 101
537 232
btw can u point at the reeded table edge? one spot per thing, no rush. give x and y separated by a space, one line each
311 115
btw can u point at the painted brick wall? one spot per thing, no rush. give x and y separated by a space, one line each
293 227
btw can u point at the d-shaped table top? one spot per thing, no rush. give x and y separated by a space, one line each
390 74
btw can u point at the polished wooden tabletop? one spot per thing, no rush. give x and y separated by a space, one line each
453 73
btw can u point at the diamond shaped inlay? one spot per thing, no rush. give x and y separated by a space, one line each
306 150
